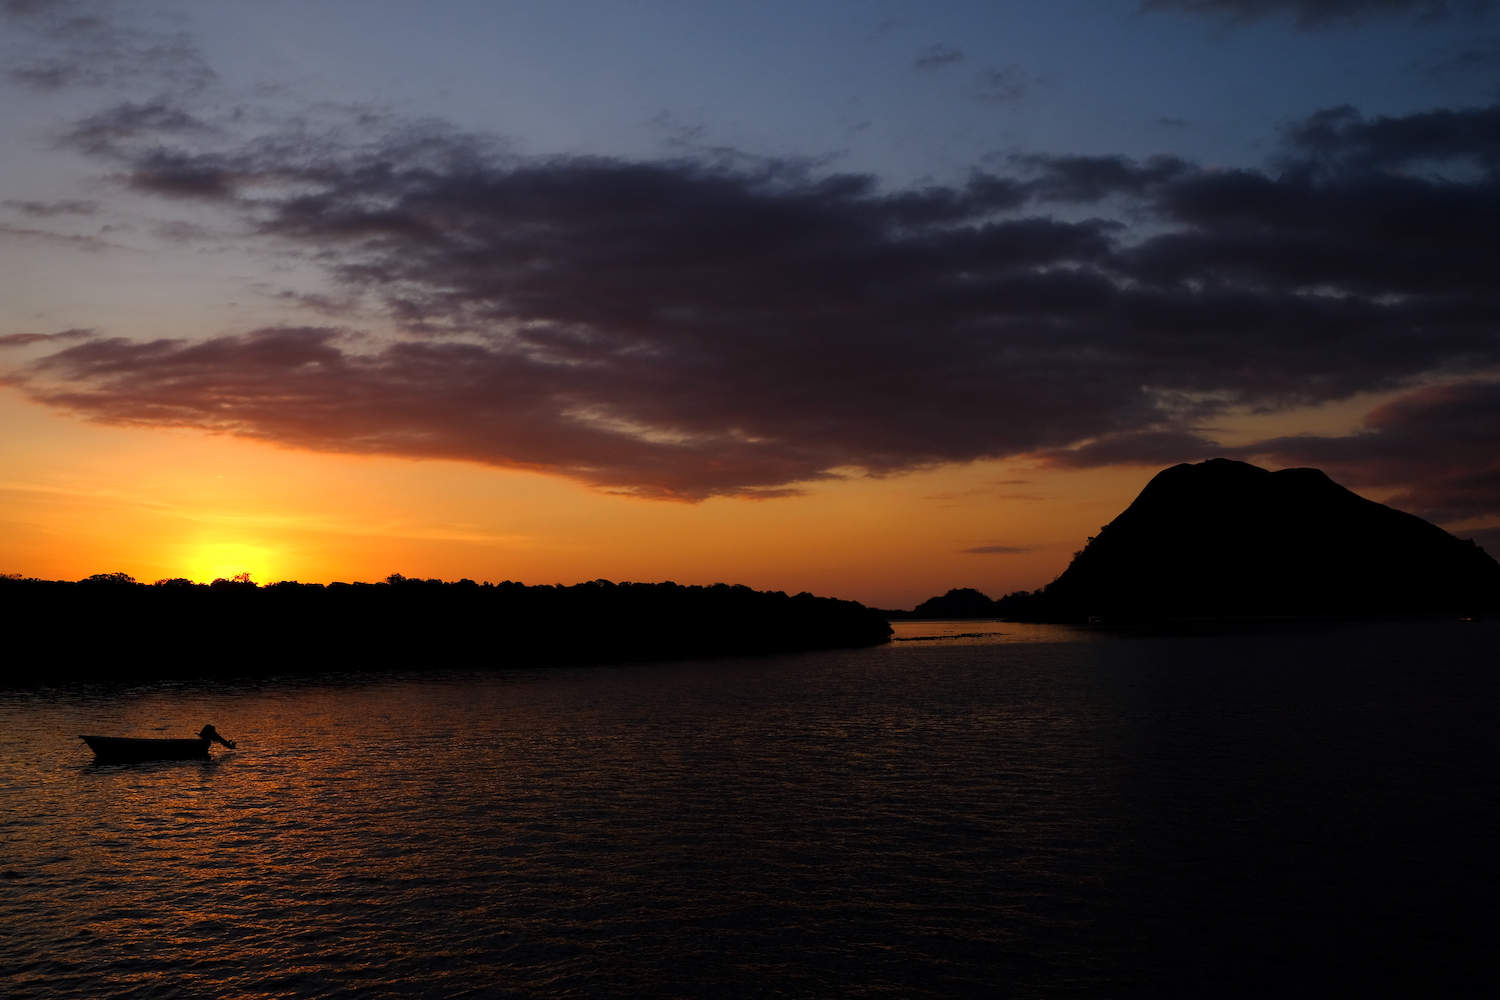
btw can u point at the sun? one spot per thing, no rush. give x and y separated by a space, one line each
215 560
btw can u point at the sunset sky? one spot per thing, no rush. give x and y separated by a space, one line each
864 297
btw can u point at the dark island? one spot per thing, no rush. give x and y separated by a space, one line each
1224 539
961 602
109 627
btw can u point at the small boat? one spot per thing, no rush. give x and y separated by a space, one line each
123 749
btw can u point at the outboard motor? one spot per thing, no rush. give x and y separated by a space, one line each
210 733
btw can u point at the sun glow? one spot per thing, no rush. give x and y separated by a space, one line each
79 498
224 560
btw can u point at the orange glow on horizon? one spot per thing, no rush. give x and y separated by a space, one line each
224 560
77 499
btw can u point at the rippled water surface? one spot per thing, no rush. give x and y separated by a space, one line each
1035 813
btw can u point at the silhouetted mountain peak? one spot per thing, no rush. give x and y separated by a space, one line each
1226 538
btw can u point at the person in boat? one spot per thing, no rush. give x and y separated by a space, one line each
211 734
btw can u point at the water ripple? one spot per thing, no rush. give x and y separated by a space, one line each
1136 817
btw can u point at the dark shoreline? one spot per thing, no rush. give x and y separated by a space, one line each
125 631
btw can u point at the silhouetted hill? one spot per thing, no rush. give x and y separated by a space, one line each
961 602
1225 538
110 627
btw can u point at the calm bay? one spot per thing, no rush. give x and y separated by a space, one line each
999 810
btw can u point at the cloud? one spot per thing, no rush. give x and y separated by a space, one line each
1004 83
114 132
28 339
309 387
1341 141
50 208
26 235
1477 57
938 56
999 550
1322 13
1155 448
79 43
1439 445
722 325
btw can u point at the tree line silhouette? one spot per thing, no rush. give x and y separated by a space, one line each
110 627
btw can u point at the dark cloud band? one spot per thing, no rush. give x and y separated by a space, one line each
1320 13
690 328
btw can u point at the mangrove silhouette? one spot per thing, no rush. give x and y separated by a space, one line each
1225 539
109 627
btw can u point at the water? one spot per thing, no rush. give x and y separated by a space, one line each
1047 812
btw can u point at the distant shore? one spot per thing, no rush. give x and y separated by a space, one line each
112 628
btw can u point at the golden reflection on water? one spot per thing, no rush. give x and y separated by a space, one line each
539 830
986 632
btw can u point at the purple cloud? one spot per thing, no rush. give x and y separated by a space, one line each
690 328
1439 444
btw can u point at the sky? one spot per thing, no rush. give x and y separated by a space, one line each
871 299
